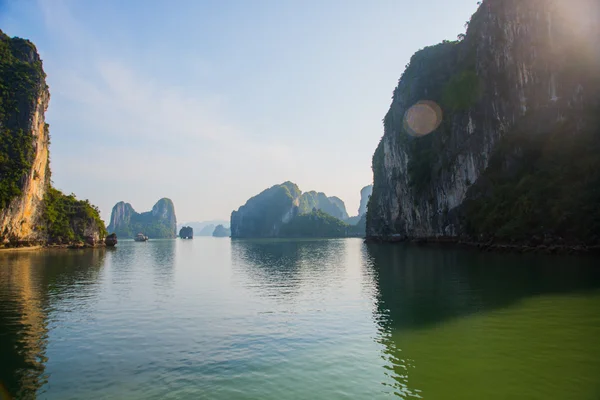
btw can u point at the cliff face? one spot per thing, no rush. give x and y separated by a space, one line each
525 74
30 210
339 205
333 206
24 167
365 194
160 222
164 211
120 217
263 214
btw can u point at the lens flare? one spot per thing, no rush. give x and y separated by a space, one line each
422 118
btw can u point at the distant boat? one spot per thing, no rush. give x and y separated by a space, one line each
140 237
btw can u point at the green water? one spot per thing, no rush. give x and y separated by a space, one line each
308 319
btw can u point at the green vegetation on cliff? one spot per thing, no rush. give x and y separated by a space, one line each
284 211
333 206
315 224
16 152
263 214
66 219
515 156
539 185
20 80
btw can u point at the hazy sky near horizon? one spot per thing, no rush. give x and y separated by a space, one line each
210 102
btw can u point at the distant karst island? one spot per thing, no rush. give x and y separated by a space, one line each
284 211
204 228
186 232
158 223
221 231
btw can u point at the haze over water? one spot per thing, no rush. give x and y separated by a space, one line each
324 319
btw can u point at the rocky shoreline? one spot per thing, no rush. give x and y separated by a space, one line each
547 246
46 246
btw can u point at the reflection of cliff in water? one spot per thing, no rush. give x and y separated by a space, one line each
30 285
162 262
281 267
419 286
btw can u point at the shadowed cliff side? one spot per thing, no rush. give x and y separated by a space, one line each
496 136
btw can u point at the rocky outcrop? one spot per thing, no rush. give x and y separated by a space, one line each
25 191
477 127
221 231
111 240
263 214
186 232
365 195
160 222
333 206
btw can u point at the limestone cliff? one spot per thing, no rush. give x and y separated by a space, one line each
505 106
25 215
333 206
264 214
365 195
160 222
24 165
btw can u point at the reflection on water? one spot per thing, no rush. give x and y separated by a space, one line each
461 324
323 319
419 286
282 268
30 285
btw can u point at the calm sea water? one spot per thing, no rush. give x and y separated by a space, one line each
309 319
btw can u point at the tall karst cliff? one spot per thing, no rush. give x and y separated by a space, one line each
30 210
514 151
160 222
24 166
365 195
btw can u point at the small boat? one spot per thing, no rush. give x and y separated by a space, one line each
140 237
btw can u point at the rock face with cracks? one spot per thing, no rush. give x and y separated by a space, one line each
496 136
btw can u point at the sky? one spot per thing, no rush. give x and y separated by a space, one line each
210 102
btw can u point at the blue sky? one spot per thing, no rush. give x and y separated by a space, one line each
210 102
